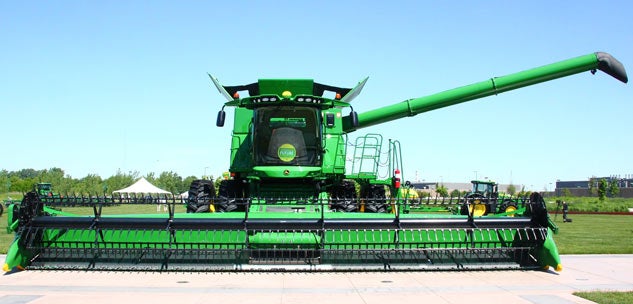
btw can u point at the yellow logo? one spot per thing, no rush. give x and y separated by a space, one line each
286 152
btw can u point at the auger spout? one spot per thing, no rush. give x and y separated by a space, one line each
591 62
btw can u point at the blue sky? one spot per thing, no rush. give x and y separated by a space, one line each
101 86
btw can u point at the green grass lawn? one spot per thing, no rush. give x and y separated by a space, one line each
595 234
607 297
598 234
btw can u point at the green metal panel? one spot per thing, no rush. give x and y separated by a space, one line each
284 240
241 159
333 144
278 86
286 171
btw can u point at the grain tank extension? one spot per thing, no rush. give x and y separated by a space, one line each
301 196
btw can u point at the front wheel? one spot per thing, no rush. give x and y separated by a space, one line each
508 207
230 196
343 197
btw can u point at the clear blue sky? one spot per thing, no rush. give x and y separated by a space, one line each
98 86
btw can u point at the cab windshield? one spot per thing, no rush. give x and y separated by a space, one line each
482 188
286 136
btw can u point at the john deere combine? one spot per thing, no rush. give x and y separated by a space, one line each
296 200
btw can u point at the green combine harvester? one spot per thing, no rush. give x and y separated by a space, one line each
296 200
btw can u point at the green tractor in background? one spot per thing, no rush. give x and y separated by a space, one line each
484 198
45 190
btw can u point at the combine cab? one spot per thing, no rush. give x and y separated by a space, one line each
296 199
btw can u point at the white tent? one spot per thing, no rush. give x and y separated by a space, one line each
142 186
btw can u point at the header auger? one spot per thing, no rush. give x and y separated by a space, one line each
296 199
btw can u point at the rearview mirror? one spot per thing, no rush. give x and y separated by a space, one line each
353 116
221 116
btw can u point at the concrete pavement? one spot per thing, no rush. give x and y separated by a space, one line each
581 273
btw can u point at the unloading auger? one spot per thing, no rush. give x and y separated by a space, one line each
293 202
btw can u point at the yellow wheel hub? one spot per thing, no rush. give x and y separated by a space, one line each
510 209
479 209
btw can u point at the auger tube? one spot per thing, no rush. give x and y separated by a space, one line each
591 62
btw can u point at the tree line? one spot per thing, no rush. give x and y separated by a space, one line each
24 180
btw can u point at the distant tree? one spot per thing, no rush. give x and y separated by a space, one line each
91 184
120 180
57 178
441 190
186 183
5 182
170 181
21 184
602 189
151 177
65 186
423 194
566 192
512 189
455 193
27 173
613 190
592 186
524 193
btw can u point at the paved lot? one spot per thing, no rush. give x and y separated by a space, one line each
581 273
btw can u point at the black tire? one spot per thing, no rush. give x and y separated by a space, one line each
344 197
1 209
507 204
201 195
230 197
375 198
469 201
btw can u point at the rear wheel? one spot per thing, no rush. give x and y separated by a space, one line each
201 195
474 204
374 198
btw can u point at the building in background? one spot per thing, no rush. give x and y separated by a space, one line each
582 188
